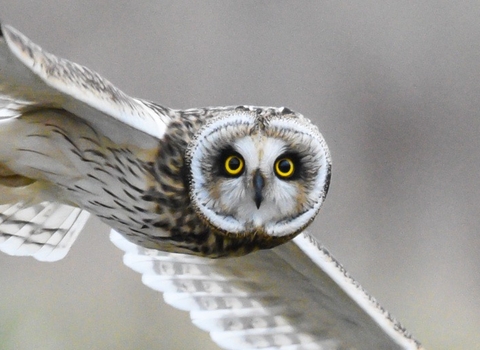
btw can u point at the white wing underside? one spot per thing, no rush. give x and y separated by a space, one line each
44 230
296 296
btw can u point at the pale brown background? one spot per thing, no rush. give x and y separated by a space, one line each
394 87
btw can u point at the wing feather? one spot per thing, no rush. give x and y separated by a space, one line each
30 74
44 230
296 296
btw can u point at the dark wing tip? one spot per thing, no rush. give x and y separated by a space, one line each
1 29
286 110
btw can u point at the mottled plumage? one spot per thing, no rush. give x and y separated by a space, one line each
211 182
141 190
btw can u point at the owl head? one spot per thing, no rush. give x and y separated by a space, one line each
258 170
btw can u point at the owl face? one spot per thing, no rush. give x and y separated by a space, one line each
263 174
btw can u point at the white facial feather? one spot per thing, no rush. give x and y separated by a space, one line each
259 152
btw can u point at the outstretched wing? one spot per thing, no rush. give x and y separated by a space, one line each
31 78
34 81
296 296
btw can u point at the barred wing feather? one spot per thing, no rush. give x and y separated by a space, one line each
43 230
295 296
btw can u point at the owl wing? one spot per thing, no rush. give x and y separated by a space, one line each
31 77
43 230
33 80
296 296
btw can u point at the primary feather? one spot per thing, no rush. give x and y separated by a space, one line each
45 230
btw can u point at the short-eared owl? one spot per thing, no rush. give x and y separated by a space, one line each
217 182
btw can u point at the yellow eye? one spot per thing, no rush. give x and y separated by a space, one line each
234 165
284 167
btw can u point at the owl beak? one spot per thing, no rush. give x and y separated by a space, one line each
258 184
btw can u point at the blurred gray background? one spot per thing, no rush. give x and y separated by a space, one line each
394 88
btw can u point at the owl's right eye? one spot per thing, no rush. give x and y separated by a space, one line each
234 165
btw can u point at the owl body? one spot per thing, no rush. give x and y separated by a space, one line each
143 193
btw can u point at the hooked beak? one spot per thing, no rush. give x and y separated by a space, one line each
258 184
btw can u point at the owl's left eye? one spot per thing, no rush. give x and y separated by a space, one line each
284 167
234 165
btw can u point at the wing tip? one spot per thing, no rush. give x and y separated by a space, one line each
335 270
4 29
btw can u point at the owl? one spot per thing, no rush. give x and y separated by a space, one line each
190 195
